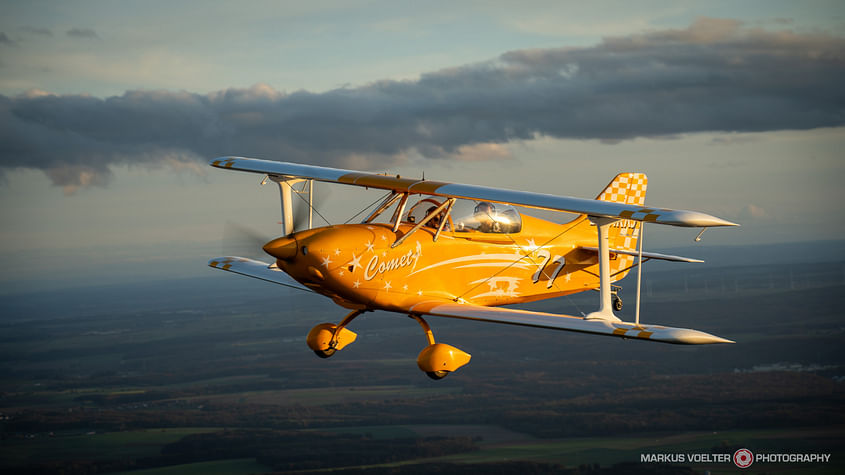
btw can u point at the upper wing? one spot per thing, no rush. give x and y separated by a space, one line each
474 192
256 269
566 322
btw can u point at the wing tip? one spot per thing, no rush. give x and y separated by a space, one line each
696 337
692 219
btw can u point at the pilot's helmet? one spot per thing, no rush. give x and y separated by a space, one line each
485 207
435 220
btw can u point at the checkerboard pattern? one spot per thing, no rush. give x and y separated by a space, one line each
628 188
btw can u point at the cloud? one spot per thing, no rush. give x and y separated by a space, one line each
752 212
37 31
82 33
5 40
716 75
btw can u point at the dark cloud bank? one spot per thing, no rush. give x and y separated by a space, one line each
715 75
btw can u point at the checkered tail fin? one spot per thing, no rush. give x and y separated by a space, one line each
626 188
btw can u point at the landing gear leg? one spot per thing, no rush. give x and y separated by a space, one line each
326 338
437 360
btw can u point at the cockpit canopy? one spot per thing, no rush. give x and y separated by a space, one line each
488 217
468 216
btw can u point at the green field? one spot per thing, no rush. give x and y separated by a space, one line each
607 451
109 445
217 467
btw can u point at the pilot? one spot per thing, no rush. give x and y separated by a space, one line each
434 222
484 215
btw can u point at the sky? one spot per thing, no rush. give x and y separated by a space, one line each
110 111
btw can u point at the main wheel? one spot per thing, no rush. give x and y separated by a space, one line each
435 375
617 304
325 353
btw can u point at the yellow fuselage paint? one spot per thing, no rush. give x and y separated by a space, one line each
355 265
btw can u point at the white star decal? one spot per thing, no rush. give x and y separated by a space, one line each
337 252
341 273
384 254
568 277
370 247
326 262
383 237
355 262
532 246
405 287
419 292
386 285
356 284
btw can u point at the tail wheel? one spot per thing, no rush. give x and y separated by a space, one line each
435 375
617 304
325 353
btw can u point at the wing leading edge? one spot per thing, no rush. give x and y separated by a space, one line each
553 321
529 199
256 270
646 255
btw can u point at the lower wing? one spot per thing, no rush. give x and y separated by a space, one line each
441 308
566 322
256 269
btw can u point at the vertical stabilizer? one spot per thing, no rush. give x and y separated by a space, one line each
628 188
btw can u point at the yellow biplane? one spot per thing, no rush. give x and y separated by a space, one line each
462 251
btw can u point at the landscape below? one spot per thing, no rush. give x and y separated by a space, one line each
213 375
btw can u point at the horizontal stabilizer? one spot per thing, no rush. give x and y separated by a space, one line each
552 321
257 270
647 255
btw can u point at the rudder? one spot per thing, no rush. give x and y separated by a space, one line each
628 188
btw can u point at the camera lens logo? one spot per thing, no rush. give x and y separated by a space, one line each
743 458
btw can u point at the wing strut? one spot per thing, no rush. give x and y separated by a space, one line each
437 211
285 190
310 204
605 311
444 219
639 273
383 206
400 210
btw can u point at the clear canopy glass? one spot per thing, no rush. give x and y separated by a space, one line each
468 216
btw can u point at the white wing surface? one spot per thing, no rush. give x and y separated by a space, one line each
474 192
257 270
646 255
553 321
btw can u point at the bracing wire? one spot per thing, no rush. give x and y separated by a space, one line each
368 207
528 255
313 208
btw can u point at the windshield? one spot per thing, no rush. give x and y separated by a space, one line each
486 217
423 208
